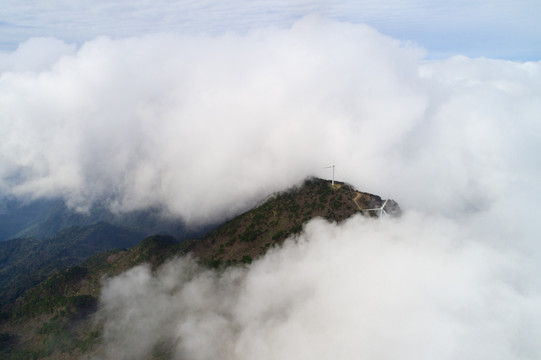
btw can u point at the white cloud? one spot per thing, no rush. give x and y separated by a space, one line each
206 126
201 125
413 288
37 54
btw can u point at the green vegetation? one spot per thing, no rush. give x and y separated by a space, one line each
42 219
58 293
6 341
280 217
26 262
56 313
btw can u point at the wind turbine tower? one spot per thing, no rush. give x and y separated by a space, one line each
380 209
328 167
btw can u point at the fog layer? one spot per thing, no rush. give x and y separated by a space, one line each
414 288
204 127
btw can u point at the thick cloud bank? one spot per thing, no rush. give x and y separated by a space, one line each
414 288
203 126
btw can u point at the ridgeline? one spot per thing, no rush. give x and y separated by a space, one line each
54 318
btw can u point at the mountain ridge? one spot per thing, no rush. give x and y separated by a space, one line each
59 310
42 219
281 215
27 261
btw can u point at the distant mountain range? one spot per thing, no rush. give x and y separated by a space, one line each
58 310
42 219
27 261
44 236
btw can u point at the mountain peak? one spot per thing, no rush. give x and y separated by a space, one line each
282 214
66 299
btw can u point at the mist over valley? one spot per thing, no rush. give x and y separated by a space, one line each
168 196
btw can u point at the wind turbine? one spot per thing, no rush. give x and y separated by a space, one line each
380 209
328 167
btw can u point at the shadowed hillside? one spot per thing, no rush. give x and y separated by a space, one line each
25 262
53 319
42 219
